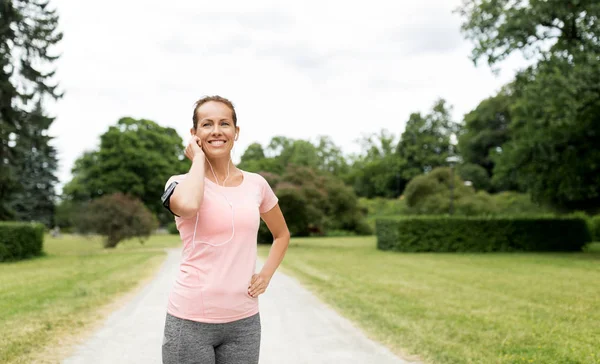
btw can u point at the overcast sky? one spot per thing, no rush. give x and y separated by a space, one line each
298 69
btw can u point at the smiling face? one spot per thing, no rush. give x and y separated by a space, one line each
215 128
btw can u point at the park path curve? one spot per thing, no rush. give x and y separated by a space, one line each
296 328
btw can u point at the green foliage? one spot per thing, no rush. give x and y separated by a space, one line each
555 107
28 33
380 206
486 130
135 157
20 240
66 213
117 217
515 203
555 133
264 234
34 199
425 142
172 229
322 155
304 176
500 27
377 171
476 174
595 227
314 202
429 194
299 208
481 234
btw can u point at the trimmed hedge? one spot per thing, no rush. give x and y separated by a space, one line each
20 240
481 234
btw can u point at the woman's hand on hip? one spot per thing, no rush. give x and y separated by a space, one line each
258 285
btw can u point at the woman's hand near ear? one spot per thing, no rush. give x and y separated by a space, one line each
194 149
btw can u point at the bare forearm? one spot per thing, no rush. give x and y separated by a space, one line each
276 255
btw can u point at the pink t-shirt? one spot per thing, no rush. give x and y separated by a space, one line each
216 268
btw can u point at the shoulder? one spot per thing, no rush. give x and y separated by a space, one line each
255 178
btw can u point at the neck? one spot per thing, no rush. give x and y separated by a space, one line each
221 167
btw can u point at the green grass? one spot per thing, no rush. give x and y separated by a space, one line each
62 293
459 308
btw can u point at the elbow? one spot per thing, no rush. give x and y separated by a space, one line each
284 236
189 209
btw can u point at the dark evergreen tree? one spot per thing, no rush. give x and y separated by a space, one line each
28 31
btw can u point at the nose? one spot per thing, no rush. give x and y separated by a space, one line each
216 130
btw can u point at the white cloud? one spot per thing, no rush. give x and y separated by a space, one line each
299 70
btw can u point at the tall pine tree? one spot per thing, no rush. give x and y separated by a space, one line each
28 31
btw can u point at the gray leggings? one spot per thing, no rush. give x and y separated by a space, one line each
236 342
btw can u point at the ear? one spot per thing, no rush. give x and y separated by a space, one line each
237 133
192 132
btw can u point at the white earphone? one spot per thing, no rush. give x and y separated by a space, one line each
228 202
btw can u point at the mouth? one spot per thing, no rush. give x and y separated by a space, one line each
217 142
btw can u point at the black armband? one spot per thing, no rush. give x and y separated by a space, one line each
166 197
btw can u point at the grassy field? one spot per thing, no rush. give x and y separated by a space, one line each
459 308
48 301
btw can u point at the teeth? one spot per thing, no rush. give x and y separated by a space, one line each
217 142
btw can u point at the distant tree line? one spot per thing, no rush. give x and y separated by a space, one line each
537 135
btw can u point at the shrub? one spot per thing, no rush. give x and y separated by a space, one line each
315 202
429 194
264 234
172 229
476 174
595 227
480 203
380 206
481 234
66 213
19 240
515 203
117 217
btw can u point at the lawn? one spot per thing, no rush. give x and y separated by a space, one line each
459 308
49 300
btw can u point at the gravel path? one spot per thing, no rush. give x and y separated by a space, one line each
296 328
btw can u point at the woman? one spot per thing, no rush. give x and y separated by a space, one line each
212 313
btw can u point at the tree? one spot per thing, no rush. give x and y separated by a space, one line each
430 194
253 152
323 155
485 130
315 202
35 200
117 217
28 31
135 157
476 174
538 28
553 151
555 126
426 141
376 172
